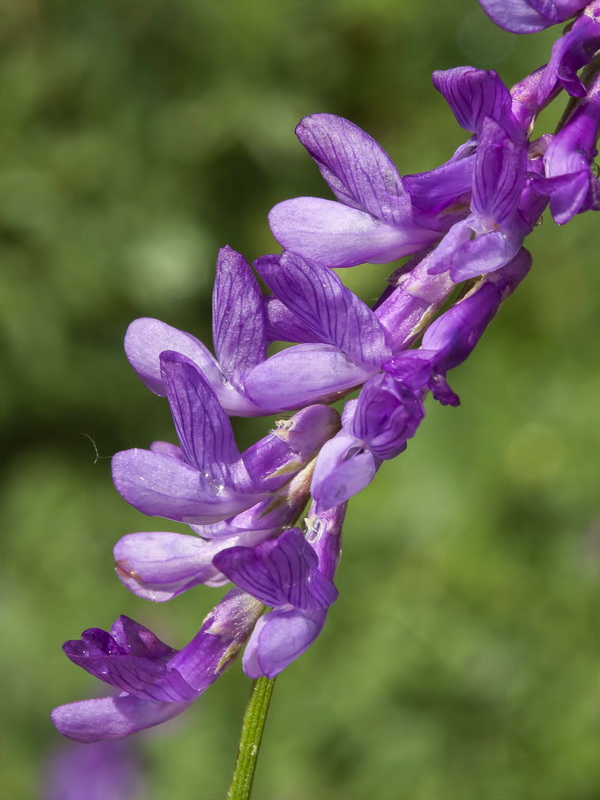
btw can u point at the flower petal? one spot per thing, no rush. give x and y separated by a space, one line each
279 638
238 317
111 717
303 374
344 467
318 297
336 235
147 338
158 485
530 16
358 170
285 326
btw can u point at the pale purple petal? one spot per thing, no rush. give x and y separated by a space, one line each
278 639
111 717
336 235
344 467
302 375
358 170
158 485
147 338
238 317
530 16
485 253
317 296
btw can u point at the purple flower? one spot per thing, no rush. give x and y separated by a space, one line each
157 682
283 634
572 185
494 231
373 220
159 566
209 480
238 333
529 16
571 52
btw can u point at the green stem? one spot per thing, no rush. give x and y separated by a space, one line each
252 732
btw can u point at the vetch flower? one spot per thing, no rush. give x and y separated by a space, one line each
530 16
373 219
157 682
208 480
238 334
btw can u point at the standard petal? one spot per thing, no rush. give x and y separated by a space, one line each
111 717
238 317
474 94
278 573
336 235
158 485
302 375
317 296
203 427
147 338
279 638
358 170
499 176
530 16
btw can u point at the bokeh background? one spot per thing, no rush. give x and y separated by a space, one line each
460 662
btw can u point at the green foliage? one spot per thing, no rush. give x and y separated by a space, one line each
459 662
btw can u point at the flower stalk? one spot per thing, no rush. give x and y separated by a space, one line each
251 737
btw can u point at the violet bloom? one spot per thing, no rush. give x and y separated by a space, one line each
530 16
349 340
238 335
157 682
571 52
373 220
389 408
569 161
294 575
208 480
159 565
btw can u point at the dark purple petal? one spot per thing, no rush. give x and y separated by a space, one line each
336 235
111 717
279 638
529 16
147 338
386 415
317 296
145 676
571 52
358 170
159 485
277 457
238 317
279 573
441 196
138 640
203 428
344 467
303 374
284 326
474 95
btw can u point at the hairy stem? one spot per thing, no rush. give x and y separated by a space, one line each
251 737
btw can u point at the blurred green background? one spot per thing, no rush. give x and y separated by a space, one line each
461 660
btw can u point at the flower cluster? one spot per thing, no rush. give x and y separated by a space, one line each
463 224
